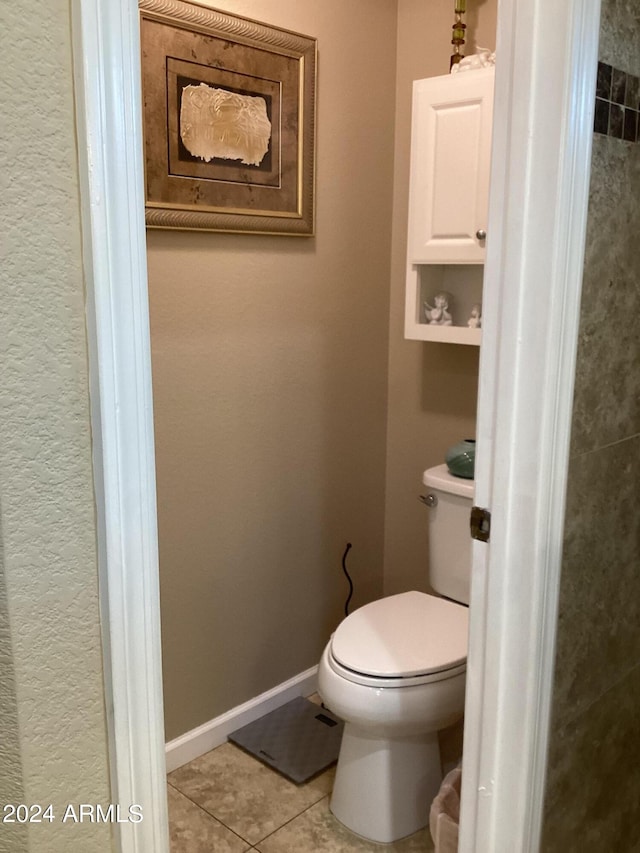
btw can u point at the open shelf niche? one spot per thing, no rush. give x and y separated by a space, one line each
463 283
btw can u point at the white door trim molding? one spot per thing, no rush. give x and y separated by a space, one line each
108 94
543 119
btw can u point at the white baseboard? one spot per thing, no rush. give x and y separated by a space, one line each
209 735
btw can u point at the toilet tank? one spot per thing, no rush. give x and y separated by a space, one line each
449 535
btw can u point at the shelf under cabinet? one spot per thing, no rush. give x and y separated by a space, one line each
447 334
462 282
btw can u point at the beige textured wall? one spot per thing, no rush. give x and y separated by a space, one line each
270 374
52 721
14 837
593 785
432 387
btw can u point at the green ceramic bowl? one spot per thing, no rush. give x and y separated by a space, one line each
461 459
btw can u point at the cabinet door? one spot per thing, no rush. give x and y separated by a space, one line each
450 155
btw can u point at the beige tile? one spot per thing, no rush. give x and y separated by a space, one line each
599 611
243 794
317 831
620 35
592 798
193 831
606 406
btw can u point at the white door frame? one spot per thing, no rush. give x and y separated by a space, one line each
541 160
108 109
545 86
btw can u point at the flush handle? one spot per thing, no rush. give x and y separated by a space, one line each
429 500
480 524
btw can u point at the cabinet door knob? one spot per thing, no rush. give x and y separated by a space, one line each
481 234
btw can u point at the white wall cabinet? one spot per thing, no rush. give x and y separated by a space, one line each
448 199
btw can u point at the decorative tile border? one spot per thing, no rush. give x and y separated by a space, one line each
617 104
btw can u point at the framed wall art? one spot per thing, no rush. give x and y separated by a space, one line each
229 121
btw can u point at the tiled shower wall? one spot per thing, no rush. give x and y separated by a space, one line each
617 103
593 784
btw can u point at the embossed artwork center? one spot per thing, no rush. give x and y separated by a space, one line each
227 125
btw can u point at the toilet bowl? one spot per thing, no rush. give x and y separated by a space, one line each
396 677
395 672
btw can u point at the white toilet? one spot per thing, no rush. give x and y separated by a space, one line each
394 670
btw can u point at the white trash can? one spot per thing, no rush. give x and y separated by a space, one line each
444 817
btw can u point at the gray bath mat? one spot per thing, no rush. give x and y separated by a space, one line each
298 739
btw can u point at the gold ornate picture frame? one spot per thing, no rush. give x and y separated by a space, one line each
229 121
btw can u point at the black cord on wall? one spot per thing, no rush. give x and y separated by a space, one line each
344 569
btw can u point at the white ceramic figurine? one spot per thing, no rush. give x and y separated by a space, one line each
475 320
438 313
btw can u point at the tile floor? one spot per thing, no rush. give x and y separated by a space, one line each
228 802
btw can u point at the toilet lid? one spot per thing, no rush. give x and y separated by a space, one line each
402 636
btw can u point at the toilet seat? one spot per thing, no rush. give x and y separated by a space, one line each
402 681
402 640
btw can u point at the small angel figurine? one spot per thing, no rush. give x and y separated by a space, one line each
475 320
438 314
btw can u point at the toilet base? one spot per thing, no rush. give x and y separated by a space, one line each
384 788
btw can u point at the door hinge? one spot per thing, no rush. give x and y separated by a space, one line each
480 524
